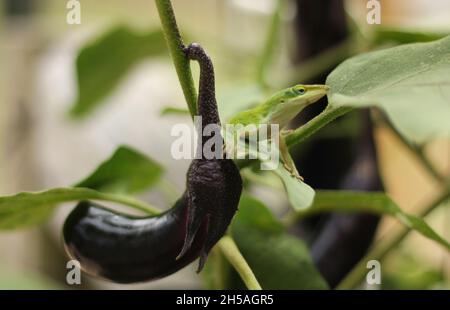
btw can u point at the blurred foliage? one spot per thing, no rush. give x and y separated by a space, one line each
278 260
174 111
11 280
126 172
405 272
378 203
217 271
102 64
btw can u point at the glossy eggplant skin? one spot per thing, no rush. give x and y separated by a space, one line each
128 249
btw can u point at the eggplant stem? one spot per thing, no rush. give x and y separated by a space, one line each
234 256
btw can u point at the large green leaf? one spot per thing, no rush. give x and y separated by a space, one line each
278 260
380 203
28 208
127 172
101 64
411 83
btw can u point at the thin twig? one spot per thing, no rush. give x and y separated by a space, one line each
176 45
126 200
234 256
303 132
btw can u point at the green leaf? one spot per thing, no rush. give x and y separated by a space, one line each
126 172
30 208
278 260
300 194
399 36
379 203
20 216
174 111
101 64
411 83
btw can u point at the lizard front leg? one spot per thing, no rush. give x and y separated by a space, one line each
288 163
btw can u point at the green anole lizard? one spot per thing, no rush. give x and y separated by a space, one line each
280 109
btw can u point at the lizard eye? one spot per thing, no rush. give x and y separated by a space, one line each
298 90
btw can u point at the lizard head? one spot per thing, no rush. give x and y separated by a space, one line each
306 94
287 103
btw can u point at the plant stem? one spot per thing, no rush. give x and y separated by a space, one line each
383 247
303 132
176 45
419 151
234 256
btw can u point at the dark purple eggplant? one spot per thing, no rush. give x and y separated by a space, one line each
214 185
130 249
